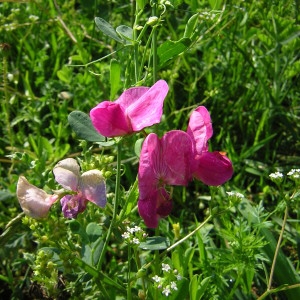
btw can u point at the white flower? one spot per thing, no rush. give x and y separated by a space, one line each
173 285
126 235
166 291
136 241
156 278
295 173
236 194
166 267
178 277
276 175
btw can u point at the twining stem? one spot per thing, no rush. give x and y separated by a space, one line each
116 204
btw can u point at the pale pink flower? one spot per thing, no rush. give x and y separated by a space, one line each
35 202
88 186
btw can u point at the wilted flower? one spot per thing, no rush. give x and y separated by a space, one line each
89 186
34 201
135 109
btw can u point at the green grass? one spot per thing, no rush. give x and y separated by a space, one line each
240 60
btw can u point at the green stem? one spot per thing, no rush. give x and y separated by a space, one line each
154 44
277 248
115 209
129 297
136 44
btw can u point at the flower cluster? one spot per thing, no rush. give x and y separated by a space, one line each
168 282
294 174
78 189
134 235
174 159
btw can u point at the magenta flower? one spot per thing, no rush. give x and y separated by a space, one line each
163 162
175 159
35 202
212 168
135 109
89 186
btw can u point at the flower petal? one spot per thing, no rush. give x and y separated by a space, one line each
72 205
147 210
35 202
177 155
149 165
147 109
109 119
213 168
66 173
200 128
93 188
155 206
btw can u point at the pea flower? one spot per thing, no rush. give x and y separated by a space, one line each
135 109
175 159
163 162
89 186
212 168
35 202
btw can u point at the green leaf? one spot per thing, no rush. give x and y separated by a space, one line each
94 231
83 127
155 243
190 26
138 146
125 32
65 74
115 76
170 49
141 3
5 194
107 29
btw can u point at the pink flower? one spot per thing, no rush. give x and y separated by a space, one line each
175 159
135 109
163 162
90 186
212 168
35 202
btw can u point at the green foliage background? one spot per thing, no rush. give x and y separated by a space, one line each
241 61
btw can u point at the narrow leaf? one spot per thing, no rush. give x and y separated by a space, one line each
115 76
170 49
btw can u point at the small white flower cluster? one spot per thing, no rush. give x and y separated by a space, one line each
134 235
294 173
167 283
276 175
33 18
235 197
235 194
